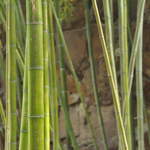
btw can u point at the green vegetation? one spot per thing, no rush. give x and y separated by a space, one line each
34 82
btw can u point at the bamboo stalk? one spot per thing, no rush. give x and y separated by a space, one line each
53 84
78 86
108 13
116 98
93 75
46 76
63 92
2 113
123 37
23 142
140 15
139 94
11 77
35 76
140 103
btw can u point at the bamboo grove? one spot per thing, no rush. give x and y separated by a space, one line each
36 85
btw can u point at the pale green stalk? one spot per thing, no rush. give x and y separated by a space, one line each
123 37
115 93
135 46
140 99
93 75
139 94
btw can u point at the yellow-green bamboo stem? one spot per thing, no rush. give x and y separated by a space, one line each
2 113
35 76
46 76
108 13
53 84
123 37
93 74
116 98
11 77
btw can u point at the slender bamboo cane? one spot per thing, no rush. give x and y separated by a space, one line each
63 93
140 15
23 142
123 37
2 113
46 76
35 76
112 80
93 74
108 13
78 86
11 77
53 84
139 94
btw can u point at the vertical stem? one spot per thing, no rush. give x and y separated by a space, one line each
135 46
115 92
139 94
11 77
35 76
140 103
53 84
123 37
77 82
23 141
63 94
108 13
46 75
93 74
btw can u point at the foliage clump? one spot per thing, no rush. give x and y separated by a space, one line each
66 10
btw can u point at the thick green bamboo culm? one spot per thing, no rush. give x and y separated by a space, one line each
35 76
46 75
115 93
11 77
93 73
